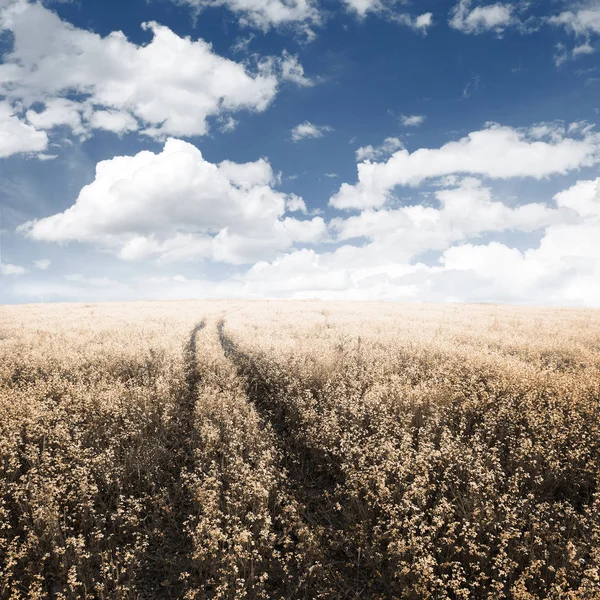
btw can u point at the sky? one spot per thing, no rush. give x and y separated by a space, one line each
431 150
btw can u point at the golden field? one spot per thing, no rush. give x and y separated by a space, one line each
299 450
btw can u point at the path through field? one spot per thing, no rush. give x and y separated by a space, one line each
312 477
170 552
246 527
293 451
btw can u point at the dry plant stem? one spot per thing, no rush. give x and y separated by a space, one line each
296 450
311 478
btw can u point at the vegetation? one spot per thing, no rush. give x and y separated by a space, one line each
299 450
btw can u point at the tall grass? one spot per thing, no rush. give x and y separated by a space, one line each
299 450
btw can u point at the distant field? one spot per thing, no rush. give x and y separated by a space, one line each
285 450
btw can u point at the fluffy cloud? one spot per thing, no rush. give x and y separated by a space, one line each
9 269
292 70
420 23
309 130
169 86
264 14
564 268
582 22
496 152
389 146
177 206
58 112
42 264
386 10
301 16
412 120
492 17
16 136
465 210
304 16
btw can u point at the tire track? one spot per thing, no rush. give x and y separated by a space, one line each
311 477
170 551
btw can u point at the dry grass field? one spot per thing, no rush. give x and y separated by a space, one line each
299 450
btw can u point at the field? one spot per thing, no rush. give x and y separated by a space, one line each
285 450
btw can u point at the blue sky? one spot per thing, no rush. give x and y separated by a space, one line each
348 149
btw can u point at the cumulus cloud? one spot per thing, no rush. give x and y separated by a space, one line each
412 120
169 86
113 120
309 130
42 264
465 210
58 112
306 16
480 19
303 15
10 269
292 70
583 22
496 152
16 136
564 268
175 205
420 23
389 146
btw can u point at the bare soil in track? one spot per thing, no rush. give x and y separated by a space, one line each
170 550
312 479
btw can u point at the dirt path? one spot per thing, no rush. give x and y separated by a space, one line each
311 476
170 549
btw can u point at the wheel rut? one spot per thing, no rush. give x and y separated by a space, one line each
170 551
311 477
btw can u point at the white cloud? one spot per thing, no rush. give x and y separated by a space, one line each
112 120
466 210
496 152
424 21
42 264
564 268
169 86
480 19
412 120
16 136
583 198
303 15
581 22
177 206
389 146
292 70
295 204
58 112
420 23
309 130
9 269
386 9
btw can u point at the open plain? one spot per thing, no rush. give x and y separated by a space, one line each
291 450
